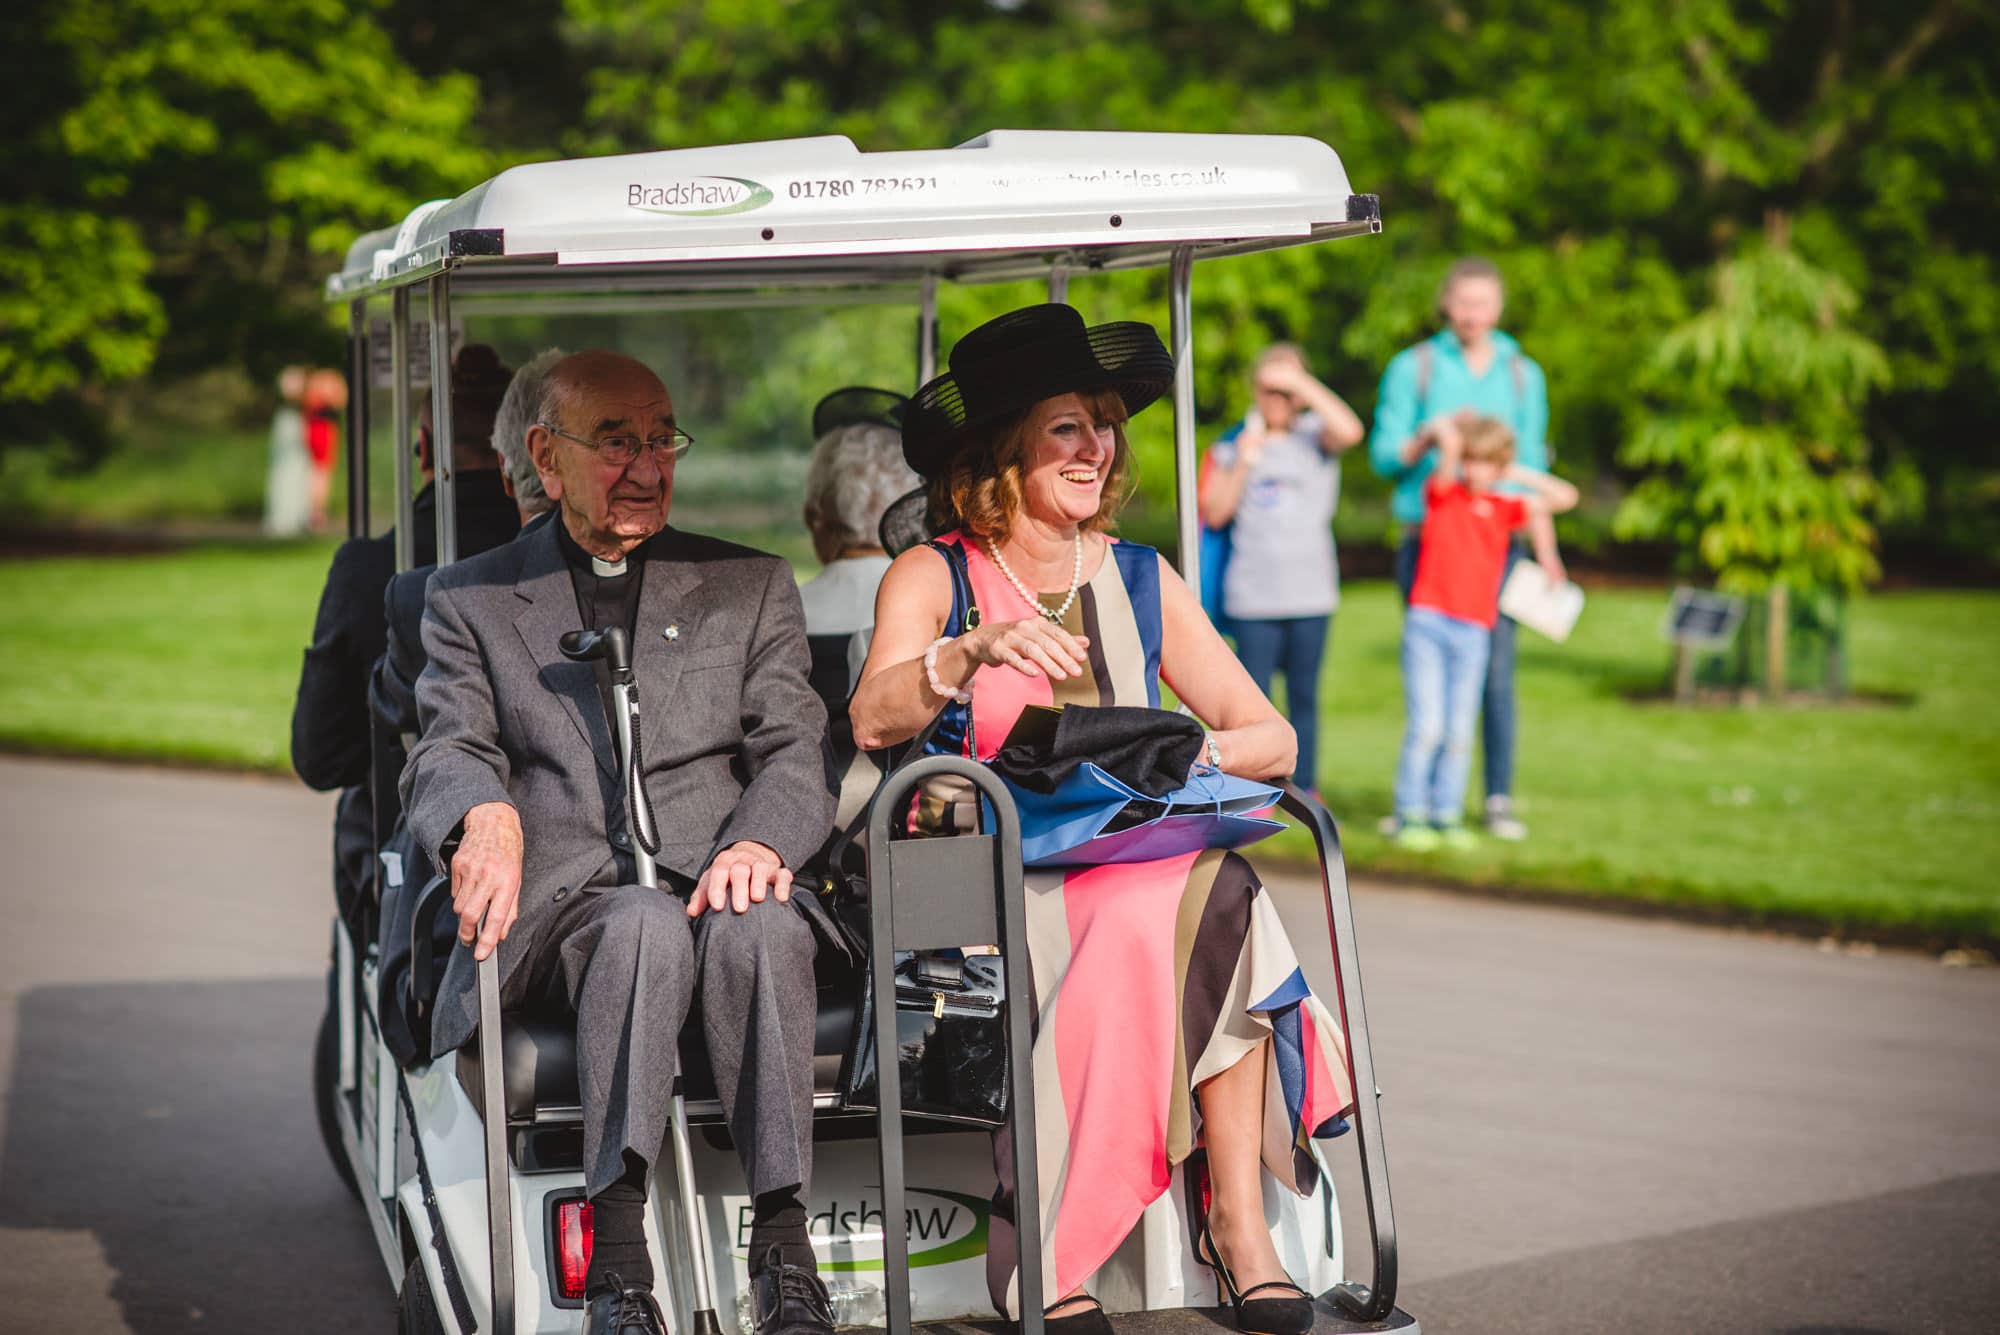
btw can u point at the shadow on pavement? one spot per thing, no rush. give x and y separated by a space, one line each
174 1124
1898 1264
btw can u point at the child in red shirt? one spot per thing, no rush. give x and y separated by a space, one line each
1453 604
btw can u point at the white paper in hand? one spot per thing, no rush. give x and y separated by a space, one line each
1540 604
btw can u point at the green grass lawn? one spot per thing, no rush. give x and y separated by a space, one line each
1882 815
188 656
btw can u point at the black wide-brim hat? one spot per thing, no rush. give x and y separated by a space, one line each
857 405
1012 362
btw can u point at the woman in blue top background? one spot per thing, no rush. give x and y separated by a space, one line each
1468 365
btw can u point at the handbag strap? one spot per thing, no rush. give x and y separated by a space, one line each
964 616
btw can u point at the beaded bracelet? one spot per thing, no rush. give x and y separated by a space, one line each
963 695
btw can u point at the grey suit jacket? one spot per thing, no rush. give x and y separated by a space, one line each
732 734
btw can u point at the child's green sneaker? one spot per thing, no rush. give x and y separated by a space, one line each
1456 837
1416 837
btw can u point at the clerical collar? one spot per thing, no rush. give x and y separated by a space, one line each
581 560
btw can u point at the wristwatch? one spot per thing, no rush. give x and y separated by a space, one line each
1214 753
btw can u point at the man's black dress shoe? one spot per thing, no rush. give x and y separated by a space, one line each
624 1311
789 1299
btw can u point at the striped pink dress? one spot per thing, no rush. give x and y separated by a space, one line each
1150 977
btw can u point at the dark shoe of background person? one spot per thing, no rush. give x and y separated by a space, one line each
620 1310
1078 1314
789 1299
1291 1314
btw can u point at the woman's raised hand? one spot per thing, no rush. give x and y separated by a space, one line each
1034 647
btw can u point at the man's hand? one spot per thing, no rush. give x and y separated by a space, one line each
1440 433
1552 566
486 877
740 876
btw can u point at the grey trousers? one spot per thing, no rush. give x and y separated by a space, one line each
629 962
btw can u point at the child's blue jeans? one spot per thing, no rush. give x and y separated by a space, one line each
1444 671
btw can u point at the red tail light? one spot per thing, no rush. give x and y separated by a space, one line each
573 1234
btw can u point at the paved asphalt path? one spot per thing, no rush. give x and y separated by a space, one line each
1596 1124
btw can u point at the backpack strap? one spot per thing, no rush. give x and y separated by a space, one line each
1517 367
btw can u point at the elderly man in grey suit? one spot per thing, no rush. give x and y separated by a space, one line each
512 787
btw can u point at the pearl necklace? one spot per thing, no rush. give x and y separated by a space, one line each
1034 600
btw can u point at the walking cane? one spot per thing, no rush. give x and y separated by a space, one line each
610 646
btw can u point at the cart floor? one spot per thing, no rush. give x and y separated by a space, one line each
1187 1321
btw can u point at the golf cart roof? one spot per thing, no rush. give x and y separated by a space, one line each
819 212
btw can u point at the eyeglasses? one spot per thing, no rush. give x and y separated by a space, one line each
622 450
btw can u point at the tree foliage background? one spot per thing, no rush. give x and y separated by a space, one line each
182 172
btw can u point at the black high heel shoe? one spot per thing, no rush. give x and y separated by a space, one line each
1085 1320
1292 1315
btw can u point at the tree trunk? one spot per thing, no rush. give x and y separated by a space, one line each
1777 623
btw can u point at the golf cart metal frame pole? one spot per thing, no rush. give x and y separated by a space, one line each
1180 318
1375 1300
492 1052
441 426
1059 282
357 419
400 406
927 331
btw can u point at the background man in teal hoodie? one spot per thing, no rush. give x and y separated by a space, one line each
1469 364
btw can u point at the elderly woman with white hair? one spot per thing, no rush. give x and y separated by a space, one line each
857 470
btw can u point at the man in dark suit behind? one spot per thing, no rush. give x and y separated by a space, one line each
512 786
330 716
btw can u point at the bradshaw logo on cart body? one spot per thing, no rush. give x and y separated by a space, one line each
699 196
948 1226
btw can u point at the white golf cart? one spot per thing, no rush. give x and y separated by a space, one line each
477 1216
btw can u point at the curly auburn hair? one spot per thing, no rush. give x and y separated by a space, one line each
980 490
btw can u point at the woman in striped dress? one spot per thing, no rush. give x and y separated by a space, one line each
1171 1012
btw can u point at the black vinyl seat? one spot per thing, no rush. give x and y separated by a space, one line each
538 1050
828 678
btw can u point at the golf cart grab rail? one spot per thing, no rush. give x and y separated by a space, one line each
819 212
937 911
1376 1300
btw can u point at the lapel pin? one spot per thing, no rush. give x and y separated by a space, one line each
671 632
